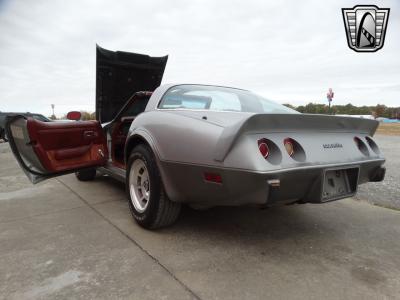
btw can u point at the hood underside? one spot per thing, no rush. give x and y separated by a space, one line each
121 74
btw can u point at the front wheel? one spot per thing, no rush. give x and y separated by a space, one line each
148 202
3 135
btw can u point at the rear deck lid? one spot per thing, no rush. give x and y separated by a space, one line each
119 75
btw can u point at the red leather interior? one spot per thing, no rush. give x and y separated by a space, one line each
62 146
118 138
70 153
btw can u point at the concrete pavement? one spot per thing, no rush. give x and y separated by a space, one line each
68 239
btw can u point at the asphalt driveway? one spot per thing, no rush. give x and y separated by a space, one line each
68 239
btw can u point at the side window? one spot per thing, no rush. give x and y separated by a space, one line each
272 107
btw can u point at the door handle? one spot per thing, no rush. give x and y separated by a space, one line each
89 134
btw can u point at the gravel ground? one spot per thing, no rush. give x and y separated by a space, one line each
386 193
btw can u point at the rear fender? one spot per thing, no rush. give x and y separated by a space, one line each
142 136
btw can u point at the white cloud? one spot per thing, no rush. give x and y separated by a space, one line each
290 51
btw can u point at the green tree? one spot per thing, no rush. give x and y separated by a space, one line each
379 110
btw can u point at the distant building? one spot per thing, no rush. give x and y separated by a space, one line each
371 117
386 120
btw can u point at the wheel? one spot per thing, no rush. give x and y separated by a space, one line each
3 135
86 175
148 202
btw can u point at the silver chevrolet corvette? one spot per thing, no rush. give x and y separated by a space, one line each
200 145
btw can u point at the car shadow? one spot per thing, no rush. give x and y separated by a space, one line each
246 224
275 222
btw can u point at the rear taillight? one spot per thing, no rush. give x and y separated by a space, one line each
294 149
212 177
289 146
373 145
361 146
270 151
263 147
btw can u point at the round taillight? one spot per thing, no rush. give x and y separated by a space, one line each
288 143
263 147
270 151
373 145
294 149
361 146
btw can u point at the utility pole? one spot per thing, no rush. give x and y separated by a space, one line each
53 116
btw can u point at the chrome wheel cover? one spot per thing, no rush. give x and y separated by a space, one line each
139 185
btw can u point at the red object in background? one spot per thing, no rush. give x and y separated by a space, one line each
330 94
74 115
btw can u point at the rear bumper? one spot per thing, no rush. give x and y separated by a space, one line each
185 183
307 186
378 174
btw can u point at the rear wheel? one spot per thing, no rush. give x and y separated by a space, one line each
148 202
86 175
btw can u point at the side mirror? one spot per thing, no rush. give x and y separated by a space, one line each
74 115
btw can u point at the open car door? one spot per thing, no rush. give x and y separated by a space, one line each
49 149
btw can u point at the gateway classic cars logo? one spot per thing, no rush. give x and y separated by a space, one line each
365 27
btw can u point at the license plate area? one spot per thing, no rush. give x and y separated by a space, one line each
339 183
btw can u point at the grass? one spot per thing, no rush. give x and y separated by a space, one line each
389 129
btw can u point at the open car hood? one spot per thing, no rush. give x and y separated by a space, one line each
119 75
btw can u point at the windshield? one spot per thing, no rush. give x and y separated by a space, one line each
198 97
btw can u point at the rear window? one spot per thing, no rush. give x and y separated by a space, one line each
199 97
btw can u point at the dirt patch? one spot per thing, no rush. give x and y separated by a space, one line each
389 129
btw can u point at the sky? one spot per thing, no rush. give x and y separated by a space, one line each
288 51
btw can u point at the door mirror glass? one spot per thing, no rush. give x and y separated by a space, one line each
74 115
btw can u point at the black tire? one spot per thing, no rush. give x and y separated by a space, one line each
160 211
3 134
86 175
